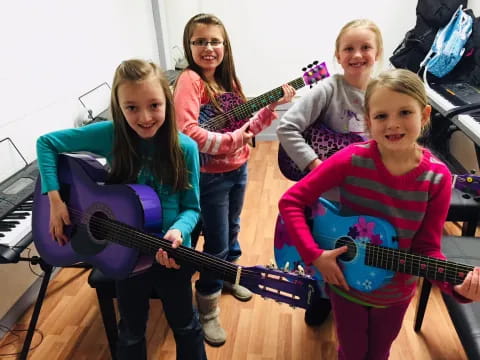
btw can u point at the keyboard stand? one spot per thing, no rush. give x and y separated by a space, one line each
47 269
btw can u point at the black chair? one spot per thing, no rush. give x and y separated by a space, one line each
105 288
465 317
463 207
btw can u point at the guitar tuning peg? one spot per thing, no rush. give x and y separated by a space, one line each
285 268
315 62
304 69
473 171
301 270
309 65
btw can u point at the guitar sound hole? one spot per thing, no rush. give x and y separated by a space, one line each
99 226
352 248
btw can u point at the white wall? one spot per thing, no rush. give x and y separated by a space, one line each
53 51
273 39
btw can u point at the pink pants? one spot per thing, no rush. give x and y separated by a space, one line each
363 332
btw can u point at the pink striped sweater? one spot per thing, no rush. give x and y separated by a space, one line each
416 204
228 150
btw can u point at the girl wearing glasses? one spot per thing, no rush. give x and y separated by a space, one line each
209 79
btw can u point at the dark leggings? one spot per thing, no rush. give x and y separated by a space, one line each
175 290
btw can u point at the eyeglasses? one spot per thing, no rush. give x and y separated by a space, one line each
204 43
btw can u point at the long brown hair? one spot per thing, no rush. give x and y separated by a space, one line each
225 74
168 163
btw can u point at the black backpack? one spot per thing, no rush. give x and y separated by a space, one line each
431 15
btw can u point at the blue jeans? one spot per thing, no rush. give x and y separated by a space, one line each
221 201
174 288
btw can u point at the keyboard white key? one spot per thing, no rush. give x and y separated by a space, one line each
20 230
466 123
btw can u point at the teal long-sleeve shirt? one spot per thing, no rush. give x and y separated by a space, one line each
181 210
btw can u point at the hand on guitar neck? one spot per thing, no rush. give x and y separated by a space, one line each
116 226
235 112
469 288
369 261
175 236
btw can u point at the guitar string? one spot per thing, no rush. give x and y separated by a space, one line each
218 122
451 268
154 243
392 254
104 225
291 287
216 264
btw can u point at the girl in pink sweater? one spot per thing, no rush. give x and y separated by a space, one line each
389 177
210 82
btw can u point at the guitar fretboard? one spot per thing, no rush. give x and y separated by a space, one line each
424 266
245 110
128 236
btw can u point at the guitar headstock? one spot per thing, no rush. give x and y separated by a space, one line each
468 183
315 72
291 288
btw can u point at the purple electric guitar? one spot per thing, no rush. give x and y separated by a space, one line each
373 256
324 141
235 112
112 225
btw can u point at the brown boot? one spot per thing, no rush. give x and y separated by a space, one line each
208 309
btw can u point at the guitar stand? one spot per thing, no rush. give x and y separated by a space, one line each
47 269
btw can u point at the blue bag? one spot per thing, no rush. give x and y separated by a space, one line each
449 44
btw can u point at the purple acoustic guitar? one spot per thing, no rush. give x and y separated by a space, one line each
324 141
235 112
112 224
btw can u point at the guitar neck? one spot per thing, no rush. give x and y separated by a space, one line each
129 236
245 110
251 106
424 266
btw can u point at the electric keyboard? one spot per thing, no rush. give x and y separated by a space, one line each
16 200
469 124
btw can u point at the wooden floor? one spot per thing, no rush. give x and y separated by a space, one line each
70 326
